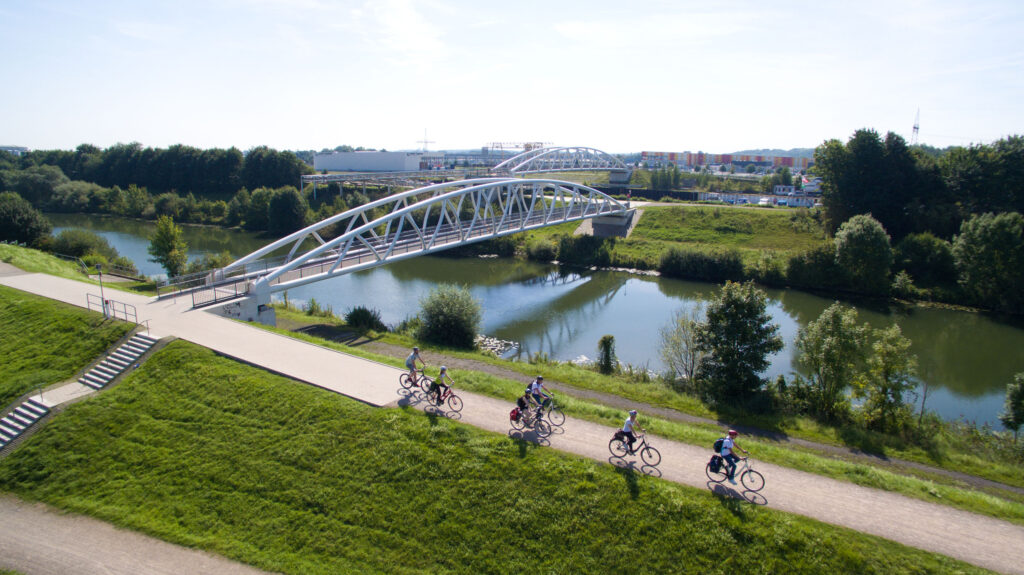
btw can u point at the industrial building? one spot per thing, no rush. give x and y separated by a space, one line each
378 161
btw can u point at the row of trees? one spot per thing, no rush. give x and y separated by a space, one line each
911 191
215 173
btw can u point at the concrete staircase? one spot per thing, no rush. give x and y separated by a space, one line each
117 362
23 417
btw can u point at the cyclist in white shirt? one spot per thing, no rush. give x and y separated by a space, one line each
540 397
627 429
730 458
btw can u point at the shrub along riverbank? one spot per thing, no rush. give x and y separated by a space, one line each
203 451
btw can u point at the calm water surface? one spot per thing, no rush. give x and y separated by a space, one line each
965 358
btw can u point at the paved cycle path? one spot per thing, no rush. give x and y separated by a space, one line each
973 538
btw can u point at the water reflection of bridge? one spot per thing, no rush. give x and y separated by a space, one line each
556 322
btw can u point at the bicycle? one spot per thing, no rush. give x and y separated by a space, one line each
719 472
528 418
552 412
408 383
619 446
454 401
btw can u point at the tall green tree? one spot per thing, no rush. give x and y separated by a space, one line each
887 380
863 251
989 255
1012 415
831 348
20 222
287 211
168 248
737 337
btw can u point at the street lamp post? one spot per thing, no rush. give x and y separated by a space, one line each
103 300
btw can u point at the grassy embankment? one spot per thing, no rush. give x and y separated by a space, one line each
206 452
47 342
36 261
933 488
753 233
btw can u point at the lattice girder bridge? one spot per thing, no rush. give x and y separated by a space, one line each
408 224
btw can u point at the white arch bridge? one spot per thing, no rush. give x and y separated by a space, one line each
404 225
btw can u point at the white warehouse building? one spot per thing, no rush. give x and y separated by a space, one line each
376 161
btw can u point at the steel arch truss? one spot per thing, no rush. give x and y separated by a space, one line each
423 221
560 159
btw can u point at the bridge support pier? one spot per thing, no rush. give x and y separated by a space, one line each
256 306
613 226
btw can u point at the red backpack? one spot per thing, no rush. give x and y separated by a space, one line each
515 414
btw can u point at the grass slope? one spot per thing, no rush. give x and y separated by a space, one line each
46 342
203 451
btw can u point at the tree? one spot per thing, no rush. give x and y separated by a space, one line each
989 254
737 338
831 348
862 249
287 211
679 350
1013 408
606 354
167 247
926 258
20 222
450 316
888 377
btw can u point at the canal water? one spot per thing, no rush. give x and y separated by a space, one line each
965 358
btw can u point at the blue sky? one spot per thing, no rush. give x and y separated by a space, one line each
715 76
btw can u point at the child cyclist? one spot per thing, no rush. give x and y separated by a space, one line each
439 387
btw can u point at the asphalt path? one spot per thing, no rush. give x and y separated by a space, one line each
976 539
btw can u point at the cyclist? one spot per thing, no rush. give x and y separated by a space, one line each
438 387
540 397
730 458
523 402
410 362
627 429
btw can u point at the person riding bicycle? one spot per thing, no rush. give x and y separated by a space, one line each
523 402
438 387
536 391
410 362
627 429
730 458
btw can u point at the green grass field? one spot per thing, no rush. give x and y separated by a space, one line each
206 452
47 342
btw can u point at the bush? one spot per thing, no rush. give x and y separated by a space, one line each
541 250
585 250
82 243
927 258
706 266
365 319
450 317
817 268
863 250
606 361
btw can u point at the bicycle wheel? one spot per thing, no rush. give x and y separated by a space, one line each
455 402
618 447
425 383
542 428
405 381
716 476
752 480
650 455
555 416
